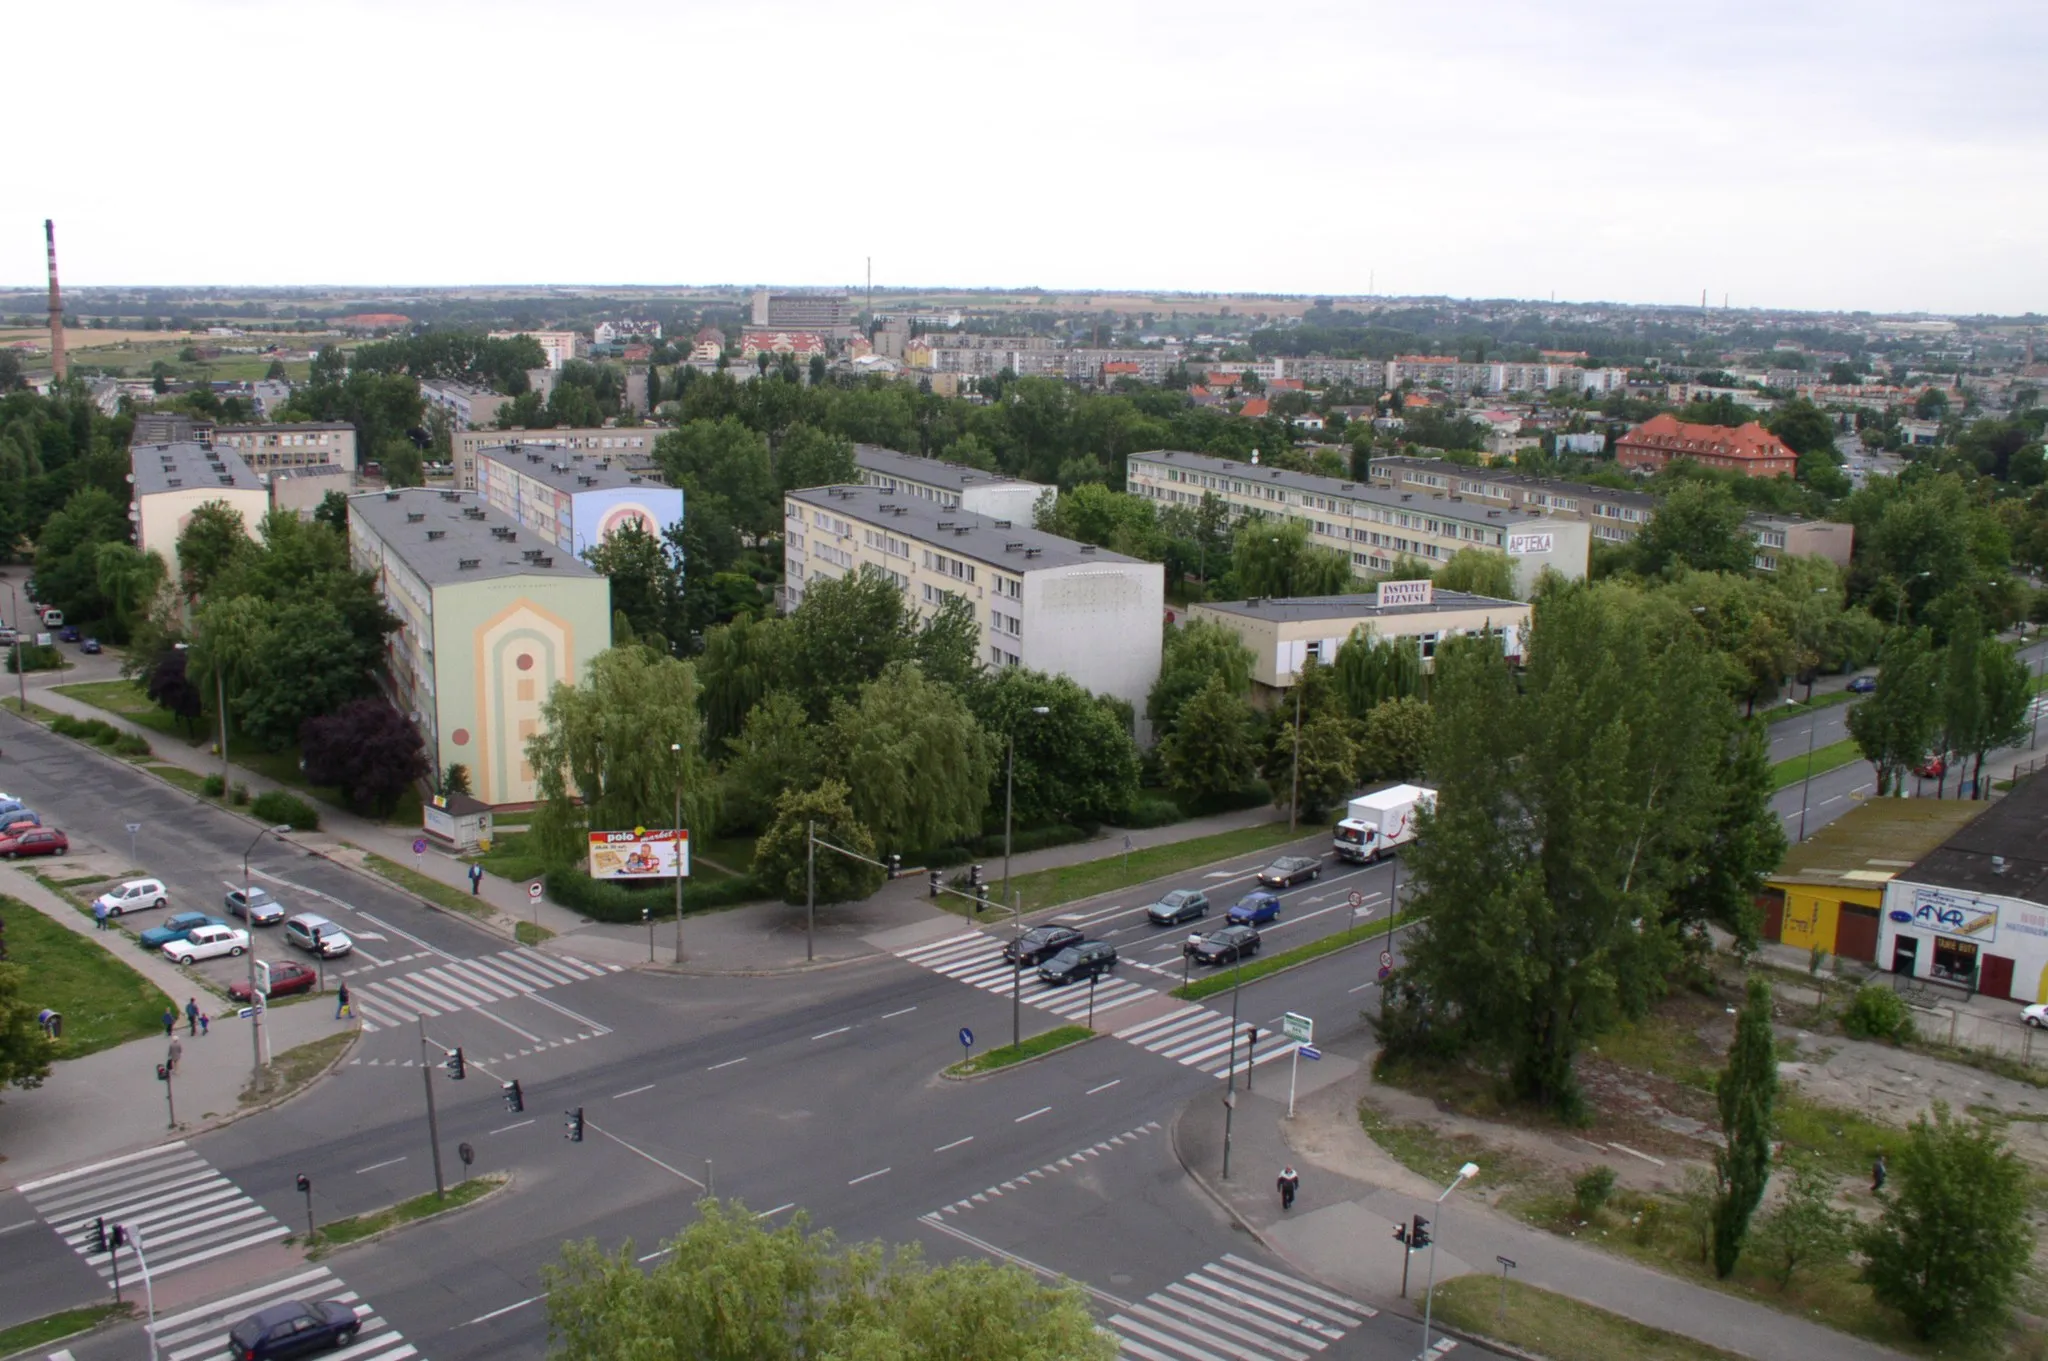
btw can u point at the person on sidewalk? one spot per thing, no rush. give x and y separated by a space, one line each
1877 1174
99 916
192 1015
177 1052
1290 1182
205 1022
341 1001
476 876
170 1021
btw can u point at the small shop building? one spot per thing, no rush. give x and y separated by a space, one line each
1828 893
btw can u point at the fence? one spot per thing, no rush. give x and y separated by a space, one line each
1962 1029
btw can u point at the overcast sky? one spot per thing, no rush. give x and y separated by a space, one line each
1784 153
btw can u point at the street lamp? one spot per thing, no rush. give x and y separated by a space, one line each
249 916
1899 614
20 676
1016 907
1465 1173
676 750
1812 726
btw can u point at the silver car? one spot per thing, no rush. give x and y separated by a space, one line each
259 907
317 935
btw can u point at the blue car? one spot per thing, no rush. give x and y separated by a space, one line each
90 647
1863 685
1254 908
68 634
176 928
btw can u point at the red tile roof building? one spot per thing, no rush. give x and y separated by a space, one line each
1255 408
799 343
1749 449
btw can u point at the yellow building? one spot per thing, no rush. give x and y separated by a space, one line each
1829 890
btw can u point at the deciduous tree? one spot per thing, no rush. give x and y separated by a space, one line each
1745 841
1896 725
366 749
1074 763
1479 571
1804 1229
1747 1093
1371 670
1395 741
647 583
1210 751
846 633
1196 653
810 457
24 1049
782 855
917 763
1699 525
774 752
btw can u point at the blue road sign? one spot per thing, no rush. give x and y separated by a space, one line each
966 1038
1385 973
1309 1051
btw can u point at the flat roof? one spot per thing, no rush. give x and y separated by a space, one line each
450 385
1293 609
453 528
935 472
1874 842
309 470
278 427
2002 851
1514 479
1437 503
1007 544
573 470
186 466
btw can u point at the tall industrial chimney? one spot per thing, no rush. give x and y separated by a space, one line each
58 364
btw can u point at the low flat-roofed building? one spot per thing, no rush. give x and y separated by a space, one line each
467 406
1048 603
173 480
634 443
573 500
948 485
291 444
1828 891
1283 632
301 490
489 622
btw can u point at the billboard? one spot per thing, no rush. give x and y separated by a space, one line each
1955 914
1396 595
1528 545
640 854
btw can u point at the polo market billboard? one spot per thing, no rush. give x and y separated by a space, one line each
640 854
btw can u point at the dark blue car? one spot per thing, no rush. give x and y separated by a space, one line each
299 1328
68 634
1863 685
1254 908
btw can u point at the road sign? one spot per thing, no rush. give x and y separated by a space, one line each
1386 959
1357 898
533 890
1309 1051
1297 1027
134 827
966 1037
1508 1262
419 845
1386 972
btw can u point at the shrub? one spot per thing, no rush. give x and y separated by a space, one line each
573 888
1878 1013
275 806
131 745
35 658
1591 1190
1150 810
239 794
213 786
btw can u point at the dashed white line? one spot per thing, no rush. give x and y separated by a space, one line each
889 1015
498 1313
727 1064
388 1162
940 1149
830 1033
520 1125
633 1092
1103 1088
870 1176
1033 1116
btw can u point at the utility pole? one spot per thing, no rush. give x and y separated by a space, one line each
220 704
1230 1068
810 887
676 750
1812 726
1017 972
433 1121
1294 799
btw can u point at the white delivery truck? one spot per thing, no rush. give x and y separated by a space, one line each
1376 823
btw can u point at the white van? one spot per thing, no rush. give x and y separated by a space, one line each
53 619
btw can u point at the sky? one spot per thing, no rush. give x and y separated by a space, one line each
1780 154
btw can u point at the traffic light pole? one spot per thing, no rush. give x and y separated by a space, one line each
433 1121
1017 969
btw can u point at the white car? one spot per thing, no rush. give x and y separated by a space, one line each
133 896
206 942
2035 1015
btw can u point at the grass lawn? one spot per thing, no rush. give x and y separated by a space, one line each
1558 1326
433 890
990 1060
530 933
1115 870
191 781
297 1066
34 711
103 1000
1830 757
355 1228
38 1332
510 857
127 699
1437 1156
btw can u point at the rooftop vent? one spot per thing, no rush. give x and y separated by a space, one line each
1407 496
1033 552
544 562
1087 548
451 496
944 524
434 534
634 480
1276 474
413 517
1002 524
586 481
530 554
901 509
176 482
533 458
1998 864
391 496
1013 545
468 564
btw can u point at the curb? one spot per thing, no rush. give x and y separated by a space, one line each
1399 925
355 1037
505 1185
683 971
945 1075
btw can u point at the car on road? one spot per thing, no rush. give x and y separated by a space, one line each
2035 1015
175 928
314 933
287 976
1039 944
1078 962
1181 905
68 634
259 907
1290 870
34 841
208 942
1225 945
1863 685
1933 768
133 895
299 1328
1254 908
90 647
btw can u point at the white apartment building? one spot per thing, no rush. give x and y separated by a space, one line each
949 486
559 346
292 444
172 480
633 445
1373 526
467 406
1051 604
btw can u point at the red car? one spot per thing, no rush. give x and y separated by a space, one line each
286 978
34 841
1932 768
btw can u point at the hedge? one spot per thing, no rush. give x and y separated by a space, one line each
607 902
277 807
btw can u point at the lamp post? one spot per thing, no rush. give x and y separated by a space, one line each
1429 1293
1294 799
676 750
1016 900
1009 792
1230 1067
1812 727
249 916
20 676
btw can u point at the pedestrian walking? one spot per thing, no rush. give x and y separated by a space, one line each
476 876
170 1020
1290 1182
204 1022
1877 1174
177 1052
192 1015
99 916
341 1002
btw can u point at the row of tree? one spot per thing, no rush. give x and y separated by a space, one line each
1960 700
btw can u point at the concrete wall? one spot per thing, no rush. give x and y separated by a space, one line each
164 515
1004 501
1561 546
1099 623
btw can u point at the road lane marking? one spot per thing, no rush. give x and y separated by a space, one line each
676 1172
830 1033
870 1176
727 1064
522 1034
24 1224
770 1214
1103 1088
499 1313
634 1092
1033 1116
520 1125
933 1221
940 1149
388 1162
887 1015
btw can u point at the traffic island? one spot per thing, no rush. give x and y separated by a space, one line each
1011 1055
340 1233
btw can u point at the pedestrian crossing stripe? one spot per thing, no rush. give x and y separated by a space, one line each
183 1211
202 1332
464 984
1192 1035
1235 1310
1064 1164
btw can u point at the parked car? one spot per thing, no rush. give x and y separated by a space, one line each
1863 685
1290 870
1181 905
286 977
8 637
20 817
34 841
1932 768
313 932
1225 946
1254 908
1039 944
10 804
53 619
134 895
90 647
68 634
299 1328
1078 962
261 909
208 942
176 927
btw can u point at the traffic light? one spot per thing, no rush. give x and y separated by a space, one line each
1400 1233
575 1125
980 897
934 883
974 877
99 1236
515 1100
895 865
1418 1237
305 1184
163 1072
455 1066
118 1237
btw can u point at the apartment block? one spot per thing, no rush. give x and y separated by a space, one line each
632 444
829 313
291 444
301 490
1373 526
559 346
1051 604
1748 449
573 501
949 486
171 481
468 407
488 625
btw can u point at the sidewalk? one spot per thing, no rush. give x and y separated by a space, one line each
1353 1194
110 1103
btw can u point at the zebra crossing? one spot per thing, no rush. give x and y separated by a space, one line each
202 1333
183 1210
462 984
1233 1308
1192 1035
